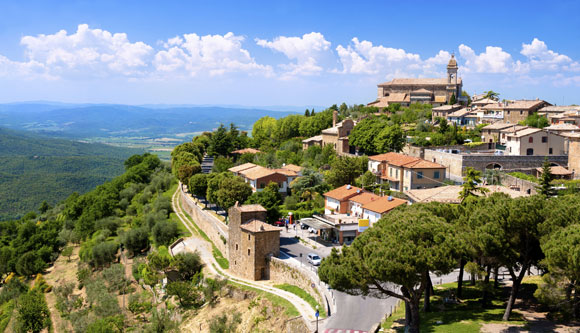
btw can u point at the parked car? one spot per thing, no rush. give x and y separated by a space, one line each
280 223
303 226
314 259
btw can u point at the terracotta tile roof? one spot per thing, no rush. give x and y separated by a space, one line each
392 98
448 107
364 198
497 126
562 127
246 151
515 105
343 192
293 167
422 81
383 204
255 226
286 172
423 164
251 208
460 113
562 108
483 101
397 159
513 128
257 172
241 167
557 171
314 138
524 132
450 193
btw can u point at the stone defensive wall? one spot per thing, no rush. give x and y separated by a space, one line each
457 163
210 225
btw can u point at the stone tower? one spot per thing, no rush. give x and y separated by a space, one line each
452 86
251 242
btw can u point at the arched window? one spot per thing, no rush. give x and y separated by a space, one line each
531 139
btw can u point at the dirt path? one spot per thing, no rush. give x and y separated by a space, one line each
204 248
61 272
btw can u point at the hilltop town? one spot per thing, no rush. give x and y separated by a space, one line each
426 209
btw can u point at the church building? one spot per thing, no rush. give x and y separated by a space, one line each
434 91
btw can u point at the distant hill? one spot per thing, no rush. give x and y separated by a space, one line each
115 121
35 168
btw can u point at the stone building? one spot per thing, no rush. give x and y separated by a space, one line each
435 91
573 153
252 242
337 135
511 112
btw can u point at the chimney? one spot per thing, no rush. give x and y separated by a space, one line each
334 116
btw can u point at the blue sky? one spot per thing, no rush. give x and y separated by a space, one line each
281 53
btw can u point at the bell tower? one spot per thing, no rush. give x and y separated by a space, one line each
452 70
452 87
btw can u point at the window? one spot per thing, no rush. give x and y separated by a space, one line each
521 112
397 173
406 188
531 139
248 251
544 139
530 151
262 185
249 237
236 247
419 174
550 152
436 175
390 172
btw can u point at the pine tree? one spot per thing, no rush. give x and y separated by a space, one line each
545 188
453 99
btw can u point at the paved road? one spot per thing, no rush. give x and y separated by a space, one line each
353 312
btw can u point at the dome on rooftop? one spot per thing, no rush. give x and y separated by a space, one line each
452 62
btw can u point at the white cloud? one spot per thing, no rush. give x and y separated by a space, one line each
540 57
493 60
88 52
213 54
364 58
305 50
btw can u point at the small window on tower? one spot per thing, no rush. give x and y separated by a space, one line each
248 251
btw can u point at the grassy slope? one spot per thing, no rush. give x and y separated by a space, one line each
34 169
466 317
304 295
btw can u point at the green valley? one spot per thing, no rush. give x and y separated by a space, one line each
34 169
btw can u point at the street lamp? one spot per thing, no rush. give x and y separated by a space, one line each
316 315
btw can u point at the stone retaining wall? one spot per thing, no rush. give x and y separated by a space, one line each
205 222
281 272
524 186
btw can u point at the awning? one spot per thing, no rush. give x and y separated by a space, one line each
315 224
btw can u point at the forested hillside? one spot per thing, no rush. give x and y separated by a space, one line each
34 169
